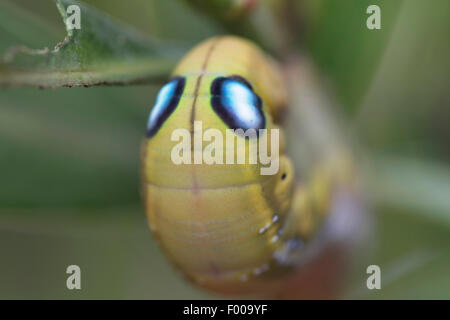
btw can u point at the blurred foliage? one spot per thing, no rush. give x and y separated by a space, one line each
405 109
343 47
225 10
233 16
70 157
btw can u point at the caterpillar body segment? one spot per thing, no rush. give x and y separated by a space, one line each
225 226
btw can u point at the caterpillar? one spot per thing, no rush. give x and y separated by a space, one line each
227 227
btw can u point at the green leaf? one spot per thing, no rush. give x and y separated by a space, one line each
102 51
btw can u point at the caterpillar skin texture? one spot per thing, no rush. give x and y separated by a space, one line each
226 226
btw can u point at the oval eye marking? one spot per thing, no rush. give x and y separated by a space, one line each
166 102
242 80
235 102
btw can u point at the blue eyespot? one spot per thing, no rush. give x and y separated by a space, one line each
236 104
166 102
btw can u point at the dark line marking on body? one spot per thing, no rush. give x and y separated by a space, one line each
197 87
211 265
192 118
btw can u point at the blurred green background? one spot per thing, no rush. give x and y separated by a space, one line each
69 191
